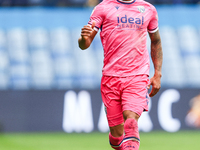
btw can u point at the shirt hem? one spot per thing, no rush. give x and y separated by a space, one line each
111 75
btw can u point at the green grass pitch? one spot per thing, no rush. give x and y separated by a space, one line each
156 140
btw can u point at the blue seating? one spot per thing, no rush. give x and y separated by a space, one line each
42 69
189 40
77 2
65 72
38 58
4 70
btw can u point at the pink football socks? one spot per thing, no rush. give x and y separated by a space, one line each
131 140
116 142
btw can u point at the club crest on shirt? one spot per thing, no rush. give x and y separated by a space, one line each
141 9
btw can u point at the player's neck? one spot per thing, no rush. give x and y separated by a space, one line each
126 0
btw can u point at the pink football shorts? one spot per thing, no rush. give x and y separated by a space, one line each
124 93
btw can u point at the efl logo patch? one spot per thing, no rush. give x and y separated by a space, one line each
141 9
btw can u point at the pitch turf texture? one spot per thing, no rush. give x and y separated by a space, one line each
184 140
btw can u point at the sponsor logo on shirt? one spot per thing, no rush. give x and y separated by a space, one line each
126 22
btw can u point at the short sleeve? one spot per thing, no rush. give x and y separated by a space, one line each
97 17
153 24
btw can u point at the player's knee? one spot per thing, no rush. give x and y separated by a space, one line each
117 131
130 114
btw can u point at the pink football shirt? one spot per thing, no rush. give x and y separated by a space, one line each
124 26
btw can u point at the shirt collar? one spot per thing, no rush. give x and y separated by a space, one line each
126 2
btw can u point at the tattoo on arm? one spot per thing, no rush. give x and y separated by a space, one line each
156 51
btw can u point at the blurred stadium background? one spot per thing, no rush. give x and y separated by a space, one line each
47 84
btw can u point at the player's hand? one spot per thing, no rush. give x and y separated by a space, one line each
155 82
87 31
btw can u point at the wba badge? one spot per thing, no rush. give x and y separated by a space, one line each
141 9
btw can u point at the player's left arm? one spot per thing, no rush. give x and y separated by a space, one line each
157 58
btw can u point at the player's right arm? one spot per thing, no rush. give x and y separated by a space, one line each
87 35
89 31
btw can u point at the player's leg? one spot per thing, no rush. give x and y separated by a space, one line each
132 139
112 101
134 101
116 124
116 136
